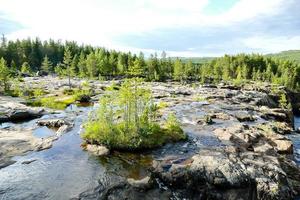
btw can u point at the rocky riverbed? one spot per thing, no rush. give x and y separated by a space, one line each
241 146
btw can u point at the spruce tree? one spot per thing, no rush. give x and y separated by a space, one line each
46 65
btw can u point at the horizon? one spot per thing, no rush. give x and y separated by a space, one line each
203 28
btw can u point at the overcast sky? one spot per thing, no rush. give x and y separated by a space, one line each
180 27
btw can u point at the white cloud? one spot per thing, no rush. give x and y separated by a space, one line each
269 44
97 22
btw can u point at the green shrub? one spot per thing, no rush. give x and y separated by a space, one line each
126 120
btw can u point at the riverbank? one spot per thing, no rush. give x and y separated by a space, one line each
238 146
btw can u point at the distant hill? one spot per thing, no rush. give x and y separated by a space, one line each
199 60
293 55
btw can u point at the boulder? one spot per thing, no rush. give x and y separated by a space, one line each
97 150
284 146
52 123
243 116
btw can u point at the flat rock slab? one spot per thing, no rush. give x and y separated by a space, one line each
12 109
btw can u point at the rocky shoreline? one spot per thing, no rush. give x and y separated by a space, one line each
248 155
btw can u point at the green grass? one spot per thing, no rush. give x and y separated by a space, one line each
52 102
199 98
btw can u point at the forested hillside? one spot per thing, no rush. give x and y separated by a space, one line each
293 55
195 60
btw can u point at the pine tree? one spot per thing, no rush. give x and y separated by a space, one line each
4 74
25 68
67 63
136 69
46 65
74 66
178 70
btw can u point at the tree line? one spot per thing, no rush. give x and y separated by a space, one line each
253 67
69 58
85 61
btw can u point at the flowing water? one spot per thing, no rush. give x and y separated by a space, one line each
296 140
65 170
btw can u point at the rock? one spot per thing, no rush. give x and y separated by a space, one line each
97 150
12 109
230 87
244 116
221 174
62 125
274 114
266 100
206 120
222 134
263 147
293 174
52 123
18 142
218 170
211 175
45 143
123 190
142 183
220 115
63 129
28 162
84 98
284 146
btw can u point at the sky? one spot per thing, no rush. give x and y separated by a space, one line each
190 28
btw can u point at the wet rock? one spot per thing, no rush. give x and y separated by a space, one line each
52 123
62 125
142 184
274 114
206 120
18 142
220 173
97 150
45 143
4 162
63 129
222 134
210 172
220 115
266 100
28 162
293 174
124 191
244 116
